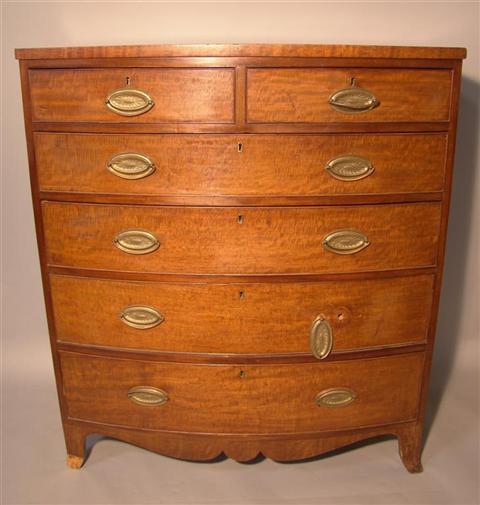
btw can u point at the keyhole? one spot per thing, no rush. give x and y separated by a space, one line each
240 219
127 80
241 294
242 374
240 147
353 81
340 316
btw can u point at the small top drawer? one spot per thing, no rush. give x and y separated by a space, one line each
160 95
313 95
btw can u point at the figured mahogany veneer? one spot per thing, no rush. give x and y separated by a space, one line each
301 95
180 95
242 329
242 50
275 399
245 241
270 317
241 165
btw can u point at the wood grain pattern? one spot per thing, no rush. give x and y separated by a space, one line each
426 84
207 447
243 165
180 95
274 398
240 61
244 318
235 358
301 95
235 278
211 240
39 230
242 201
237 128
242 50
413 443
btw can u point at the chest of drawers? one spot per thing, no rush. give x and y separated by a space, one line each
241 246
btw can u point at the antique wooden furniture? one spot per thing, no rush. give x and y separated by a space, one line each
241 246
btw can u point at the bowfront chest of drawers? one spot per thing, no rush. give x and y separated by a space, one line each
241 246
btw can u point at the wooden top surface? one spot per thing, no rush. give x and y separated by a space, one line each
252 50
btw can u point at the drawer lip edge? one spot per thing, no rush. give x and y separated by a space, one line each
207 359
236 278
240 200
304 434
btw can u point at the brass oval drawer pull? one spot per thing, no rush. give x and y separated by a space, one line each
137 241
349 168
335 397
131 165
147 395
353 100
345 242
129 102
321 338
141 317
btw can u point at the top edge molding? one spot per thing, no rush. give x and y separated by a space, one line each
241 50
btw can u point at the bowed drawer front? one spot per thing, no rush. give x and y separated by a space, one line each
244 165
242 246
275 398
242 240
242 318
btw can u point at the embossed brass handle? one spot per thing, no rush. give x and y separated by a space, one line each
129 102
349 168
147 395
131 165
353 100
321 338
345 242
141 317
335 397
136 241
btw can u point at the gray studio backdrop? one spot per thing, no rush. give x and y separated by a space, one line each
32 449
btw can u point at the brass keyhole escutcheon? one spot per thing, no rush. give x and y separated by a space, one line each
240 147
127 81
242 374
240 219
241 294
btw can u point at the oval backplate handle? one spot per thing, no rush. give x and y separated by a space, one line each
141 317
345 242
353 100
131 165
147 396
321 338
129 102
335 397
349 168
136 241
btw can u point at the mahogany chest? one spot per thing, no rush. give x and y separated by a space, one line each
241 245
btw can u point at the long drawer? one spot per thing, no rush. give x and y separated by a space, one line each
145 95
304 95
308 317
241 240
221 398
253 165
